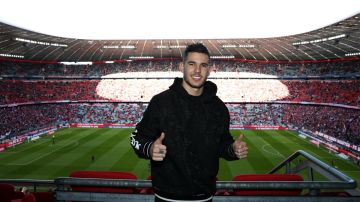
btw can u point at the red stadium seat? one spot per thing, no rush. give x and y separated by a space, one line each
268 177
9 194
28 198
6 192
103 175
44 196
17 196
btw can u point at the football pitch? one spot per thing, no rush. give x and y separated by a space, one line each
109 149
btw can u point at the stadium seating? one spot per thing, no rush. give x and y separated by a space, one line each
6 192
268 177
44 196
291 69
103 175
17 196
9 194
29 198
309 117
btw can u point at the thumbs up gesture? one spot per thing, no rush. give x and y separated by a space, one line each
240 147
158 150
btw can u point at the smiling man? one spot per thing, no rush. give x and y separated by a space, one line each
184 132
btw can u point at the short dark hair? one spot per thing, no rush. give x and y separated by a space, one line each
196 47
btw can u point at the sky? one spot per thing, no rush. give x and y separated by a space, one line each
173 19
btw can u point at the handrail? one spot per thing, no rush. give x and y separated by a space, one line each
28 181
103 182
333 171
219 184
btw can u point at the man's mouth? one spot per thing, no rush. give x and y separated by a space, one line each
196 77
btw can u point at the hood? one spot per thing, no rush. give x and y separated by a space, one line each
209 92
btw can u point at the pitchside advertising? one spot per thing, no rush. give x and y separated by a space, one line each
328 143
28 136
250 127
254 127
333 139
115 125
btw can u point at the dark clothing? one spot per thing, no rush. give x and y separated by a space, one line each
157 199
196 135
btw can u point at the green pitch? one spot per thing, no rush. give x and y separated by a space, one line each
73 150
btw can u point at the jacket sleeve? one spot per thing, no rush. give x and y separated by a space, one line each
226 149
146 131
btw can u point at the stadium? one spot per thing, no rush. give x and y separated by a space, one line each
69 104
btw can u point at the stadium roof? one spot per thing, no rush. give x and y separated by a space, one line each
338 39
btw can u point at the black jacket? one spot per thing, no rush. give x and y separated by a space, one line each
196 135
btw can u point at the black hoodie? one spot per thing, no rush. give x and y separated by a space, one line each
196 135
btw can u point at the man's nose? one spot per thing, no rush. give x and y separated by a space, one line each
197 68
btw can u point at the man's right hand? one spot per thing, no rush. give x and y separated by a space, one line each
158 150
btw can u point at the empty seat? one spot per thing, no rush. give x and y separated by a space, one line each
28 198
17 196
6 192
9 194
44 196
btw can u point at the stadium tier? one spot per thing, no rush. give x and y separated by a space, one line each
350 68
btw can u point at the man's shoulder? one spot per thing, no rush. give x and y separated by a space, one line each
165 95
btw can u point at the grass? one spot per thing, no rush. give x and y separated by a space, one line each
74 148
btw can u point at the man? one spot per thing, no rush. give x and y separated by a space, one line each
184 131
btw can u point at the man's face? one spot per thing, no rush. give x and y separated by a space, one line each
196 70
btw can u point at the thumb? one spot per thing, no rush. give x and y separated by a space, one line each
160 139
240 138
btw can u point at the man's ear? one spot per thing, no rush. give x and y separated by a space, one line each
181 67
